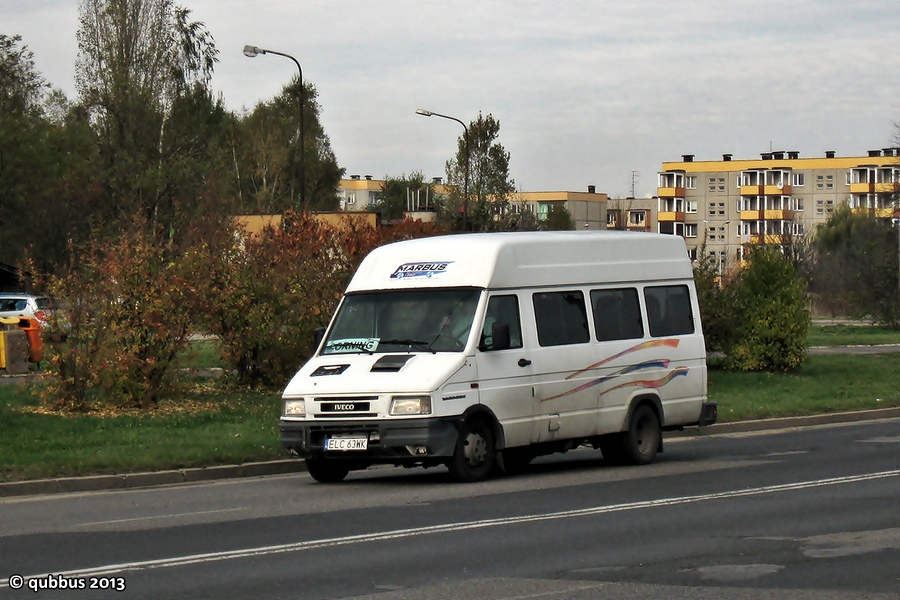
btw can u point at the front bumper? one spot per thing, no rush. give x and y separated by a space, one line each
406 439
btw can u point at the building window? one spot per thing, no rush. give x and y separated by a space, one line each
690 230
691 206
799 179
636 217
691 182
561 318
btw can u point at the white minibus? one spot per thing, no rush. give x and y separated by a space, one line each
482 351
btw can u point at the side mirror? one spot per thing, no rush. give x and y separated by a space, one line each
318 336
500 336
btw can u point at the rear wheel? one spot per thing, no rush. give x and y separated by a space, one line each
327 471
639 445
474 456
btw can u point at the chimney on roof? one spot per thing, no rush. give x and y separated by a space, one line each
354 177
887 151
592 189
829 154
778 155
726 157
874 153
793 155
687 158
437 180
766 155
368 178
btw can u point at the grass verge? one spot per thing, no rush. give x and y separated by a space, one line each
208 426
852 335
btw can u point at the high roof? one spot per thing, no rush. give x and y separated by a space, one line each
523 259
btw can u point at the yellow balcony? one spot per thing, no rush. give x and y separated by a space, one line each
861 188
751 215
768 239
778 190
669 216
778 215
887 188
670 192
879 213
751 190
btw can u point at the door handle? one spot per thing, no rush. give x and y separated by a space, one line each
524 362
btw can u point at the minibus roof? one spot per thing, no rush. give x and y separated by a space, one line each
524 259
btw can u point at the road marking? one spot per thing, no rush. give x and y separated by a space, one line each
187 514
180 561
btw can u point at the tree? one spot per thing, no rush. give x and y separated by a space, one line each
404 193
137 59
488 166
558 219
771 315
266 151
46 164
857 263
716 300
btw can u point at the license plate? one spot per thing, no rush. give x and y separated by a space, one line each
350 442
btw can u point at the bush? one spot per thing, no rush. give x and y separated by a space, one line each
771 315
130 305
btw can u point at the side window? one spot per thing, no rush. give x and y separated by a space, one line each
504 310
561 318
669 310
617 314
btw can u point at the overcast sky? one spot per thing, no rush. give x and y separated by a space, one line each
586 92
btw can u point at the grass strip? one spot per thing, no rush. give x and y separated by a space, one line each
210 427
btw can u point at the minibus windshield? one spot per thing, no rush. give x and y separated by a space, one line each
421 320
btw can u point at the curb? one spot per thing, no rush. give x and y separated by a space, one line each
277 467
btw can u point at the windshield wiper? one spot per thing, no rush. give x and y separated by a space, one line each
417 344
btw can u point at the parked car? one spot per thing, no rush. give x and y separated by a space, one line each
29 306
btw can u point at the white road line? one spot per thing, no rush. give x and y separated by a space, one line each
192 559
187 514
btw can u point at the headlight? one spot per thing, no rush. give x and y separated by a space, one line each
293 407
411 405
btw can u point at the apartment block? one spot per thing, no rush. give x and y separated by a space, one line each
730 203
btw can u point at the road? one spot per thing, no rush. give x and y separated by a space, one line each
794 514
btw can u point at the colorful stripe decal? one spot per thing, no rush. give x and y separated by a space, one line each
648 364
642 346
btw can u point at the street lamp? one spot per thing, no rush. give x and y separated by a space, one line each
428 113
253 52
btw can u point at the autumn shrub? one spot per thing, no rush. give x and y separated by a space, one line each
771 314
130 303
272 289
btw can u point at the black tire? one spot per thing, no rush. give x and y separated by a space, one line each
475 453
327 471
639 445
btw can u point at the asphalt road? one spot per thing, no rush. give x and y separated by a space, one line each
795 514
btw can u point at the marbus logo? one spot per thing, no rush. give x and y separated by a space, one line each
420 269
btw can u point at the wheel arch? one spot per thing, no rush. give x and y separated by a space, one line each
480 411
645 397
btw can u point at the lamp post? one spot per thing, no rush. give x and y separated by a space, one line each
253 52
428 113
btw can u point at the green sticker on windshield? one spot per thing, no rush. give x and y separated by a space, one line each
350 345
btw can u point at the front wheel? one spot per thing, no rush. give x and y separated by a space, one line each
327 471
474 456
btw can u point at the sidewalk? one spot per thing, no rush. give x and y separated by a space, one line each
277 467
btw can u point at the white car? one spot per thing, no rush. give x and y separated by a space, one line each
27 305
